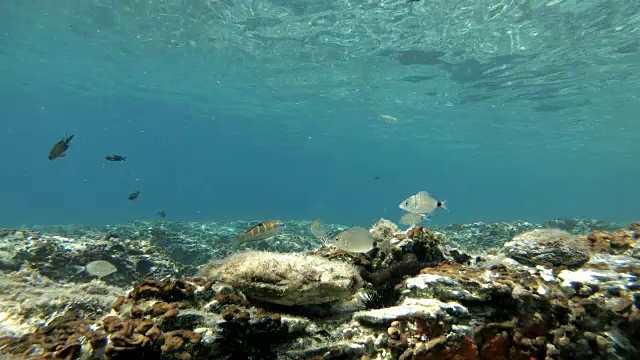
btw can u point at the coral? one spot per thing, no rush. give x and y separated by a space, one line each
286 279
547 246
243 336
61 339
616 242
166 290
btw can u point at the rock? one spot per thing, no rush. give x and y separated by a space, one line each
29 300
410 309
329 351
547 246
59 257
296 324
593 277
286 279
384 230
619 242
479 236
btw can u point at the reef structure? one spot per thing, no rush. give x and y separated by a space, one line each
411 297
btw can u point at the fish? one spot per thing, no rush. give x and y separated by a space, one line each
355 239
412 219
422 203
98 268
113 157
134 195
58 150
388 118
162 214
319 231
262 231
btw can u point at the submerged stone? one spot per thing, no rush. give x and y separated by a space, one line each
286 279
547 246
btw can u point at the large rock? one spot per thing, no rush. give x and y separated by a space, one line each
286 279
544 246
411 308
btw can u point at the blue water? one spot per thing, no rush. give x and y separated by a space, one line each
270 109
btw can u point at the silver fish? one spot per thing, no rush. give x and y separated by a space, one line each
421 203
412 219
355 239
319 231
98 268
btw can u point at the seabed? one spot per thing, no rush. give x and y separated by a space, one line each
565 289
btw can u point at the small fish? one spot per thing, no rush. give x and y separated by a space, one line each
412 219
388 118
319 231
262 231
421 203
98 268
376 178
134 195
113 157
162 214
58 150
355 239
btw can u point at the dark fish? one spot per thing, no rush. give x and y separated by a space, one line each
113 157
59 148
134 195
162 214
376 178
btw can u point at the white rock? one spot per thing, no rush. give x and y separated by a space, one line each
410 308
592 277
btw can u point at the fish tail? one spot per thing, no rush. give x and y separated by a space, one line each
442 205
68 140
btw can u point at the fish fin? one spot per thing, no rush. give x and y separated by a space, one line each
78 269
442 205
423 193
68 139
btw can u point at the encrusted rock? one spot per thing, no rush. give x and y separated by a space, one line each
384 230
286 279
618 242
547 246
410 309
59 257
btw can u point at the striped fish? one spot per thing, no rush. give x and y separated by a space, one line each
262 231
